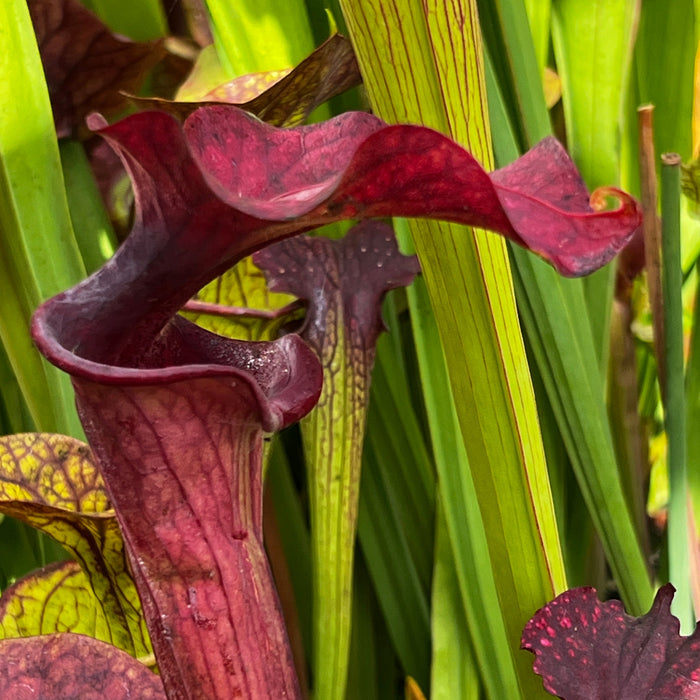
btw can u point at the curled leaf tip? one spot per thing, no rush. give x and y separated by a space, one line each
600 197
96 121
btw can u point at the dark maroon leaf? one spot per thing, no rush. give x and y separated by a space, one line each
354 272
62 666
588 650
85 64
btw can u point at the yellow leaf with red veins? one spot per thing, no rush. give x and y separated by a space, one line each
52 483
55 598
239 305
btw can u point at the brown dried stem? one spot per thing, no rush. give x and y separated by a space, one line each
652 232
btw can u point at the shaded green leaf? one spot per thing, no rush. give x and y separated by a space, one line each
664 61
38 252
454 673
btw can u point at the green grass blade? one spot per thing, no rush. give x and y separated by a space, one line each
674 401
539 13
140 20
593 41
402 599
397 508
460 506
255 35
455 672
373 666
593 44
664 58
623 415
93 229
14 414
553 312
395 437
551 309
38 253
363 670
511 50
294 534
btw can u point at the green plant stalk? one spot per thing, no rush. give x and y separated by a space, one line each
554 314
464 526
397 463
593 44
421 62
38 253
333 435
674 400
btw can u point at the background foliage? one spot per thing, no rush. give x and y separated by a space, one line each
514 415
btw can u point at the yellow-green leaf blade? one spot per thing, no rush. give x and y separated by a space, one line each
57 598
38 253
240 288
470 288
